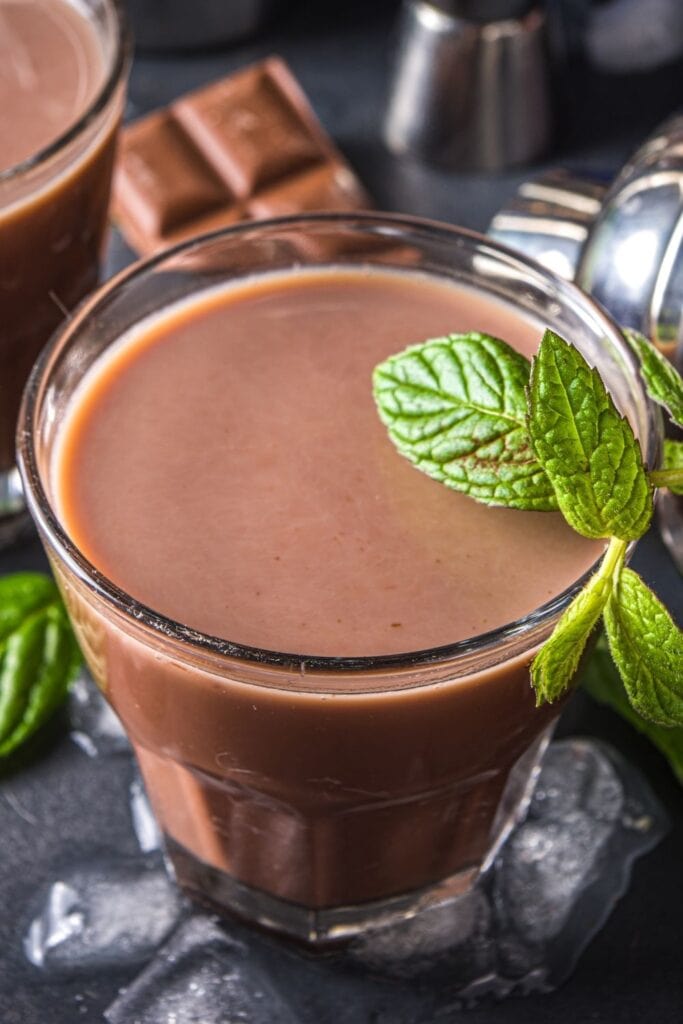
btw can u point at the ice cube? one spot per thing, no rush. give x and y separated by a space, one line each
102 915
555 854
551 886
459 929
144 823
574 775
201 976
95 728
543 869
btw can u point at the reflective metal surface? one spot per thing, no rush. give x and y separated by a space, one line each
633 260
550 218
623 245
467 93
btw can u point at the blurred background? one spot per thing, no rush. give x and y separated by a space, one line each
607 72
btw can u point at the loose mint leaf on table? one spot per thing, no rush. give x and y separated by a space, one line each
554 667
647 648
20 595
601 680
663 383
587 449
39 656
456 407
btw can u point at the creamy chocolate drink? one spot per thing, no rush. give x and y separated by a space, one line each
61 72
224 465
51 68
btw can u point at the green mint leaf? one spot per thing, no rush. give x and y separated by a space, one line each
39 656
586 447
673 454
663 382
671 473
601 680
21 594
647 648
554 667
456 407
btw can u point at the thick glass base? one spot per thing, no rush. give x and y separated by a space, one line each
324 927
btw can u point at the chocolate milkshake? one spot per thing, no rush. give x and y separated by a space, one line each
320 654
61 85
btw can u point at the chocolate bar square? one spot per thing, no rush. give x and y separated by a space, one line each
251 127
248 146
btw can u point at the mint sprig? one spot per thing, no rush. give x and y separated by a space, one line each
39 656
601 680
663 383
647 648
454 407
671 473
586 447
554 667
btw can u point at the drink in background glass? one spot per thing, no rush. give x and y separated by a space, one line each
320 655
62 78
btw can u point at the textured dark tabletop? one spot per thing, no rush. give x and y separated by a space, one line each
56 803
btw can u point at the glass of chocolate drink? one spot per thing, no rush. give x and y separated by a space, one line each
63 67
320 654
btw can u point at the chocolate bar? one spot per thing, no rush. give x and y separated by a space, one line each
244 148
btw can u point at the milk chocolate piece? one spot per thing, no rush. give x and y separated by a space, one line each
329 186
246 147
254 127
167 183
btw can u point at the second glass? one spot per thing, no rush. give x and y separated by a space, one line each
53 214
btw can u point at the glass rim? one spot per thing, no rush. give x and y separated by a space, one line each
530 627
116 73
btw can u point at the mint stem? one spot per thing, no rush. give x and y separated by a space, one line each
667 478
613 560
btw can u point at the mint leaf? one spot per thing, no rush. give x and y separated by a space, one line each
21 594
39 656
586 447
647 648
671 473
673 454
554 667
662 381
601 680
456 407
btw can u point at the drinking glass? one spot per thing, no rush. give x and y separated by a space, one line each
316 796
53 215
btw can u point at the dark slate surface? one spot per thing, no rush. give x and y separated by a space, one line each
56 804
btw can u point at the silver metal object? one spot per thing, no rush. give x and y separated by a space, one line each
467 91
633 260
194 24
624 245
550 219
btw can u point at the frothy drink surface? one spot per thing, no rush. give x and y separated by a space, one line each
225 465
51 68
